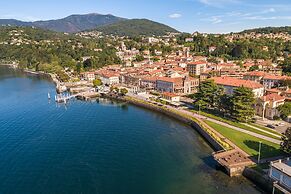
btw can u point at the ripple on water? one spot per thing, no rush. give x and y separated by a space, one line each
91 147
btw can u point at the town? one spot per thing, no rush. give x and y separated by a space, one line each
241 105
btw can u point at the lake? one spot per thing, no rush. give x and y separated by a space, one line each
98 147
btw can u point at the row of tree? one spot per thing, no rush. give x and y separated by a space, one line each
239 106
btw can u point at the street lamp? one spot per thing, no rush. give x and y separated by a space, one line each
199 108
259 156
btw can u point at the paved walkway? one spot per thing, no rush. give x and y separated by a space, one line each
232 127
256 128
276 141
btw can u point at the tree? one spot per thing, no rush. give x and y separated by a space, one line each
285 110
286 141
139 58
123 91
225 103
97 82
254 68
79 67
243 104
87 64
208 94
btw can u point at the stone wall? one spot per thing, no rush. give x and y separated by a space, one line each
185 120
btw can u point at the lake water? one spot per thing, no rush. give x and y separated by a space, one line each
98 147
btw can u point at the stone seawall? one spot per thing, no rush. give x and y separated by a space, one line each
215 145
259 179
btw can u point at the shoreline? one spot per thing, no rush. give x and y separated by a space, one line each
249 173
260 180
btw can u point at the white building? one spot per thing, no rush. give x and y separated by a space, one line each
196 68
89 76
280 171
109 78
230 84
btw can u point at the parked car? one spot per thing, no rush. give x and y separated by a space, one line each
271 126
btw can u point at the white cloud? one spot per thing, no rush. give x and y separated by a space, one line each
213 19
19 17
268 18
218 3
175 15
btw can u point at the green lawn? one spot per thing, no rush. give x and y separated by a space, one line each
240 125
247 142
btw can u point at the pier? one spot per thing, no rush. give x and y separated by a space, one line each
64 98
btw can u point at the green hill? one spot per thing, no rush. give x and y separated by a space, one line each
268 30
136 27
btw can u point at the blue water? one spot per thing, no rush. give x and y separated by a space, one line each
98 147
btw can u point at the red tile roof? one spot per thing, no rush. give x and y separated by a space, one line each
197 63
172 80
234 82
256 73
170 94
272 97
274 77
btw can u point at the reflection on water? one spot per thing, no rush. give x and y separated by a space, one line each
100 146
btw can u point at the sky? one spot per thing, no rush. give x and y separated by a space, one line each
210 16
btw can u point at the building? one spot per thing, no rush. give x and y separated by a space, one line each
89 76
280 172
186 85
256 76
188 39
230 83
148 82
109 78
287 95
271 81
171 97
171 85
266 106
196 68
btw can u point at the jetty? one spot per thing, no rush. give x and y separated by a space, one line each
64 98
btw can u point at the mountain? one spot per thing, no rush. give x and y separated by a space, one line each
135 27
108 24
77 23
70 24
14 22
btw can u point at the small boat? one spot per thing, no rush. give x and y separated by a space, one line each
48 96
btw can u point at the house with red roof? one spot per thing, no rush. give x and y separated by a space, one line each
148 82
171 97
109 78
196 68
231 83
256 76
267 106
89 76
185 85
271 81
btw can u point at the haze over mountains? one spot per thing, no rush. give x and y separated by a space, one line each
108 23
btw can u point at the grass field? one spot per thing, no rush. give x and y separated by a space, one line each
247 142
242 126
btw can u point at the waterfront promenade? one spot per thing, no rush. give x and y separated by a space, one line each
202 117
